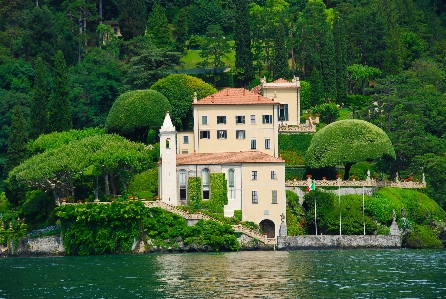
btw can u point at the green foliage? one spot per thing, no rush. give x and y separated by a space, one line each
329 112
4 203
209 233
358 76
219 193
242 39
194 187
179 90
328 61
59 112
158 26
297 173
37 122
37 207
57 139
18 138
347 142
316 88
181 30
280 62
238 215
132 18
145 181
298 143
305 95
422 236
135 112
339 35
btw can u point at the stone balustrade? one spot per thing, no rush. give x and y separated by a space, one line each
297 129
354 183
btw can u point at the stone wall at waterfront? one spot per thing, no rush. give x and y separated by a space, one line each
338 242
42 246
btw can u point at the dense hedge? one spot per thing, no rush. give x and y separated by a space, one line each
134 112
179 90
112 228
145 183
219 193
194 189
297 143
422 236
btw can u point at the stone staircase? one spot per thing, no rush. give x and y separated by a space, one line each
199 216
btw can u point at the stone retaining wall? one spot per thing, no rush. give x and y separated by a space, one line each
42 246
339 242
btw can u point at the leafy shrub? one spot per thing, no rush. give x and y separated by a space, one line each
328 112
297 173
219 193
305 98
291 158
422 236
210 233
194 188
297 143
195 42
145 181
238 215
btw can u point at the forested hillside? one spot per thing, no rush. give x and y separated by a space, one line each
63 63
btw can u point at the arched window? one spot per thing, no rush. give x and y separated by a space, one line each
205 182
168 143
183 194
231 185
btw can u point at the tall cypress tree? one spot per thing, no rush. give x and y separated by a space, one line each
316 88
59 114
132 18
329 67
340 42
280 67
242 39
39 103
18 138
158 27
181 31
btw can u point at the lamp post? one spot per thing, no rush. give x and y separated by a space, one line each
339 203
363 218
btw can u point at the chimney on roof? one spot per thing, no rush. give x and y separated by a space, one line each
258 98
212 98
244 91
195 97
227 91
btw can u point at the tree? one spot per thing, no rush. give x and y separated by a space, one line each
346 142
135 112
39 103
328 112
328 62
242 39
179 90
214 49
181 30
158 27
59 114
132 18
316 88
18 138
340 44
280 67
358 76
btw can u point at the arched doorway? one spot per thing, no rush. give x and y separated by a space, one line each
268 227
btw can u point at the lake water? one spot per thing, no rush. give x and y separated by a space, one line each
257 274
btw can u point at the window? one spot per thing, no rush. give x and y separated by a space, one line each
205 135
168 143
253 144
253 119
231 187
240 134
115 31
183 184
255 198
254 175
221 119
273 175
221 134
185 139
240 119
205 180
184 151
283 112
267 143
267 119
273 196
204 120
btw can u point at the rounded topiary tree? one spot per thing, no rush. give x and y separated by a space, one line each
179 90
135 112
346 142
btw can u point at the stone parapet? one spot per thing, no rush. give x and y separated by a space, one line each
339 242
355 183
43 246
297 129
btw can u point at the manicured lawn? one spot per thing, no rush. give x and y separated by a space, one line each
192 57
345 113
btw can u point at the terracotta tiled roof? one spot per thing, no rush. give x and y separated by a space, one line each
257 89
237 96
281 80
226 157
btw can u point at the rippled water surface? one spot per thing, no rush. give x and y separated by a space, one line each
263 274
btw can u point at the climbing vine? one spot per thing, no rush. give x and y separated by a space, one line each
219 193
194 187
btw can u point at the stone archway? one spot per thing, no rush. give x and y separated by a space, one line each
268 227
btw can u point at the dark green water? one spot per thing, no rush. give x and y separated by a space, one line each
278 274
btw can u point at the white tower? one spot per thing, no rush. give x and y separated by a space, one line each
167 186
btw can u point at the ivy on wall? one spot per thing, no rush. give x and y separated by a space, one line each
219 193
194 187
